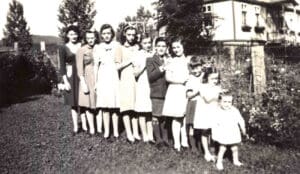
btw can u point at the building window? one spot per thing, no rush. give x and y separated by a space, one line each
204 9
257 19
209 8
244 17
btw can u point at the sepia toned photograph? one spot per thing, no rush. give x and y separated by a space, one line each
149 86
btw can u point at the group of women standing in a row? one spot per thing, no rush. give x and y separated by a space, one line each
152 91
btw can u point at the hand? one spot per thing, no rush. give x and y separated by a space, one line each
67 86
85 88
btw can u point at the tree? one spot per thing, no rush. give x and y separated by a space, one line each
16 29
76 11
140 20
184 18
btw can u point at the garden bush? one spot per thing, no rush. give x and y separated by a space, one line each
274 117
23 75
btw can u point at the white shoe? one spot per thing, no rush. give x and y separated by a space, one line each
219 166
238 163
209 158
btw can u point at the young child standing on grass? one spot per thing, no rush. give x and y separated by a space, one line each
192 92
205 109
143 106
227 129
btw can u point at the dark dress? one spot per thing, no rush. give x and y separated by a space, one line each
68 67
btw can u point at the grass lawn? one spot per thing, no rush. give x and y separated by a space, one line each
36 138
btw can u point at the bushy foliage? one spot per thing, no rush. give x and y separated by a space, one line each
184 18
274 117
23 75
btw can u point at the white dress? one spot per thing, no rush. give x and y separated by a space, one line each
176 74
206 106
142 96
107 80
226 129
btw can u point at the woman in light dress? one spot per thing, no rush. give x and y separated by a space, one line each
129 51
177 74
86 73
143 106
107 81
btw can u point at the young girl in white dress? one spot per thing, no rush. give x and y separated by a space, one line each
227 129
107 81
129 51
143 106
175 102
205 108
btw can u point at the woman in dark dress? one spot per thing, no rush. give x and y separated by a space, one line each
69 73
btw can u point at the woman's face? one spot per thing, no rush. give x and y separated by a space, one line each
213 78
106 35
90 39
146 44
177 48
161 48
130 35
72 36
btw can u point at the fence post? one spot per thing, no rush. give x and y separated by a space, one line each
258 68
43 46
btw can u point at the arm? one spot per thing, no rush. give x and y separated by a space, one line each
153 71
63 71
80 70
241 122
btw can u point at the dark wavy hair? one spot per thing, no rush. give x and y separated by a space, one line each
96 36
107 26
160 39
71 28
173 40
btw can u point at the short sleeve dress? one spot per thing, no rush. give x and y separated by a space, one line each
206 105
127 78
142 97
67 61
226 129
85 68
107 77
176 74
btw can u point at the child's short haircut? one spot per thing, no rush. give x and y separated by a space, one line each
196 61
227 93
160 39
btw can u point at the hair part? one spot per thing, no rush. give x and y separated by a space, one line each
107 26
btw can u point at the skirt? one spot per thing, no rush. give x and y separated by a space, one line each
157 107
190 111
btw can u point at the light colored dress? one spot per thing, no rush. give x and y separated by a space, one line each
142 97
85 67
226 129
127 78
176 74
107 77
206 105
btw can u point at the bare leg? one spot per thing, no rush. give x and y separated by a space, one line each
135 128
115 120
176 133
99 121
221 153
75 119
90 119
127 126
149 129
235 155
207 154
142 121
106 121
184 140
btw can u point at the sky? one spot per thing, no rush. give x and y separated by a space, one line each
41 15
